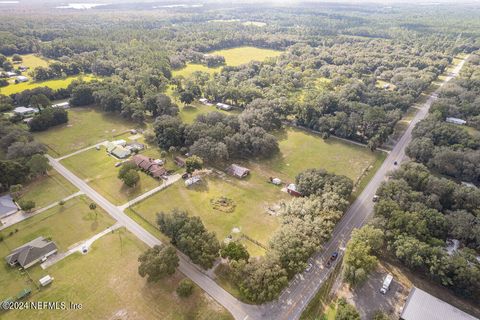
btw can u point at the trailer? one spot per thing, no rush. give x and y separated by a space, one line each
386 284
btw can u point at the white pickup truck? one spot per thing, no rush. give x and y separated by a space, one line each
386 283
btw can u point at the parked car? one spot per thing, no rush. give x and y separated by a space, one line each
375 198
309 267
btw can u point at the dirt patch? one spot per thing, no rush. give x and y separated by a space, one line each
223 204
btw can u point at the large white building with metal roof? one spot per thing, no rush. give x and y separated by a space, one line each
421 305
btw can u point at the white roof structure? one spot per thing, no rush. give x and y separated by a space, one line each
224 106
22 78
276 181
63 105
24 110
45 280
421 305
120 142
456 120
192 180
10 74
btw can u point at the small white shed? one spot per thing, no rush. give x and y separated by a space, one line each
46 280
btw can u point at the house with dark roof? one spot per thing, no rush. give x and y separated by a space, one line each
31 252
238 171
421 305
149 166
7 206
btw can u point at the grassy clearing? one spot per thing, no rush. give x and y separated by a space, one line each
48 189
189 113
300 150
473 132
52 84
98 169
86 126
66 225
233 57
32 61
115 291
252 196
254 23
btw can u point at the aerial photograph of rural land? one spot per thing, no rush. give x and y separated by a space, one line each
240 160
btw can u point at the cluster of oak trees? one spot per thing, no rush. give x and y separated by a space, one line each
216 137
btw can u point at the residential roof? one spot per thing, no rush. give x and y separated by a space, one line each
456 120
23 110
149 165
179 161
192 180
238 171
31 252
63 105
22 78
421 305
7 206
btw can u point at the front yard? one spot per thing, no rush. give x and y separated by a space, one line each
98 169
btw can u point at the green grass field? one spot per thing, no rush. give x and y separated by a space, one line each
98 169
252 197
189 113
108 286
47 189
85 127
300 150
66 225
32 61
233 57
52 84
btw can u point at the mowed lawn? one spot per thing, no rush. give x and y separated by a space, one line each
47 189
300 150
108 286
233 57
189 113
66 225
252 197
85 127
98 169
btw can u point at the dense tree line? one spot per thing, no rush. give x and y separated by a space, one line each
446 148
190 236
460 97
216 137
418 212
21 157
307 223
47 118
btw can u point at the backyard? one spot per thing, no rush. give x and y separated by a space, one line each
98 169
85 127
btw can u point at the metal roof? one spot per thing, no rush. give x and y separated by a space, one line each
421 305
7 206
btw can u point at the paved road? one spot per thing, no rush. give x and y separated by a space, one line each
239 310
302 289
296 297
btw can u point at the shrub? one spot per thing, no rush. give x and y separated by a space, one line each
185 288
